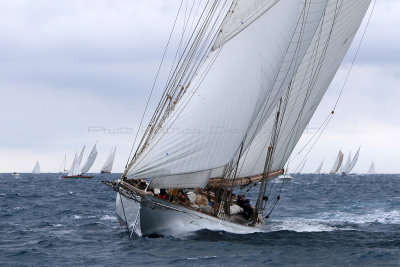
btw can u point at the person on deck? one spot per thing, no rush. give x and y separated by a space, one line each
248 209
163 194
240 201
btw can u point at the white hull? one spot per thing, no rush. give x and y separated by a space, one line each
159 217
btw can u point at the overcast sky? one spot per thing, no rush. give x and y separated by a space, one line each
75 72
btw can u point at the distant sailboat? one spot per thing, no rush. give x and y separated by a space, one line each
338 163
351 165
90 160
371 169
75 170
109 162
318 171
36 169
62 167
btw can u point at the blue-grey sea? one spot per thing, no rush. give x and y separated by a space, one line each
319 221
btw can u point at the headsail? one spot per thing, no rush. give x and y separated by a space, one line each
338 163
75 168
81 155
347 165
36 169
110 160
90 160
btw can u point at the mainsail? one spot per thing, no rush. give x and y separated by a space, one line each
110 160
36 169
338 163
90 160
318 170
75 168
371 169
288 52
81 155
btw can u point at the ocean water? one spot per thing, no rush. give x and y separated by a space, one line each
319 221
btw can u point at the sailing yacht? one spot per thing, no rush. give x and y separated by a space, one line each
75 170
36 169
350 164
242 93
109 162
338 163
371 169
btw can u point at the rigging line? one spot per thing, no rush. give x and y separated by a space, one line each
199 82
344 83
154 83
192 50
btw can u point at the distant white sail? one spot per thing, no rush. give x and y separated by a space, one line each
344 168
318 171
90 160
371 169
81 155
36 169
353 162
338 163
75 168
109 162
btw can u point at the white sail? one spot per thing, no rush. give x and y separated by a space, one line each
110 160
371 169
75 168
262 58
338 163
318 170
324 56
347 165
90 160
81 155
353 162
36 169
